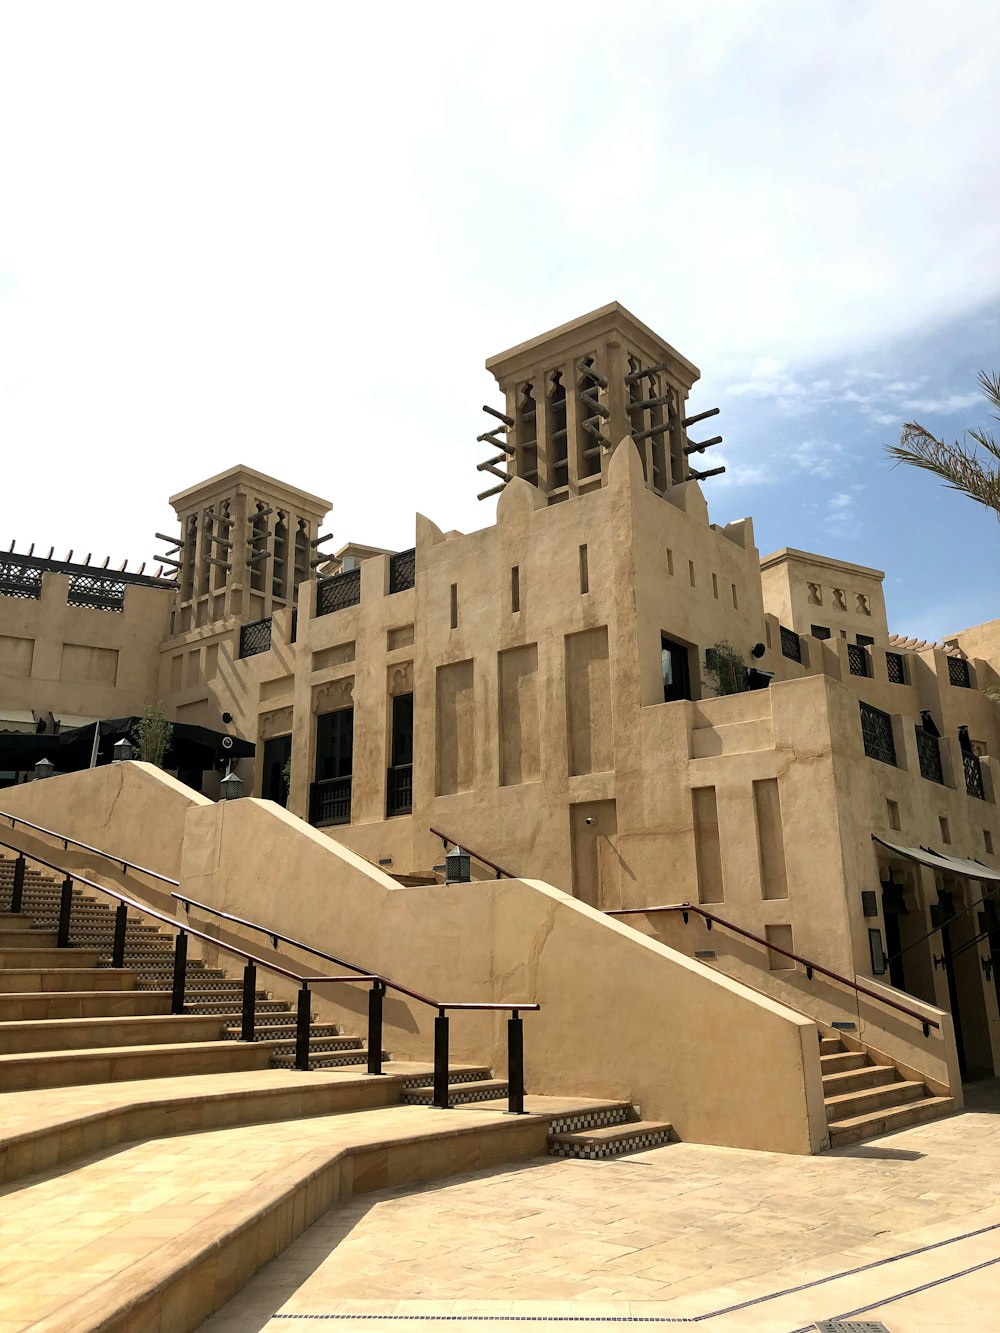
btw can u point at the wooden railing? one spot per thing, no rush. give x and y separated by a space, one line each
378 983
515 1039
686 909
499 871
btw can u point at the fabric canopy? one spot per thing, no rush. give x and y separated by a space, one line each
190 747
953 865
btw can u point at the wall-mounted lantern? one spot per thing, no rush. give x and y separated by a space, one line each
231 787
44 768
121 751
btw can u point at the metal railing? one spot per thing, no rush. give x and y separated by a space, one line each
929 755
381 984
858 660
958 673
876 733
17 580
895 668
96 592
973 775
791 644
402 570
330 801
86 847
333 594
248 1010
399 790
499 871
811 967
255 637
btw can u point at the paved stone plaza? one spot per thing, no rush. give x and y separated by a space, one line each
721 1238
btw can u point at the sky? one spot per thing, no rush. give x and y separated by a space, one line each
289 235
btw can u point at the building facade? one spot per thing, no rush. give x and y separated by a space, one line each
540 691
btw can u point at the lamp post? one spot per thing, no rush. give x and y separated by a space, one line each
458 866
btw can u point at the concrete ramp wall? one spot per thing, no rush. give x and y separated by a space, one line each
622 1015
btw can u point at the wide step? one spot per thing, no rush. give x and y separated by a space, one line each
854 1128
58 1069
459 1094
611 1140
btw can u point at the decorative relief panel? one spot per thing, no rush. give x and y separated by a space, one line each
333 695
277 723
401 679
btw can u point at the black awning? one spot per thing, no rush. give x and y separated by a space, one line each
953 865
191 747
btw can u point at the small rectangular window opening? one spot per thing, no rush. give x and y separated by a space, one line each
945 830
892 810
584 571
715 586
515 587
736 600
691 572
670 562
988 841
454 606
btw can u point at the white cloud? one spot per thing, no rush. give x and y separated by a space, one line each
291 238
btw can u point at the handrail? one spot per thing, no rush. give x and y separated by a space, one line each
276 936
807 963
483 860
303 1018
110 856
73 877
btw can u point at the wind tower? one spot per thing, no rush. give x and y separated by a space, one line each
246 542
575 392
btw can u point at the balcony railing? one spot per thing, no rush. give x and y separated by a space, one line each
330 801
399 790
929 754
858 660
255 638
17 580
402 570
791 644
895 668
100 594
973 775
958 673
876 732
334 594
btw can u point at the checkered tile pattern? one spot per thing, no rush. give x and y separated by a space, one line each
608 1147
596 1119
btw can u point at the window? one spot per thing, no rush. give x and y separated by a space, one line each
399 780
584 571
515 588
676 670
819 631
335 744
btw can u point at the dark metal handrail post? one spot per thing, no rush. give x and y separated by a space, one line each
375 1027
515 1064
303 1019
17 888
65 908
249 1002
441 1060
180 973
118 948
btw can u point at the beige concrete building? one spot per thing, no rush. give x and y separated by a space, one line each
540 692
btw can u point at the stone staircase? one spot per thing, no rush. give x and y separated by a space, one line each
52 1006
865 1098
246 1151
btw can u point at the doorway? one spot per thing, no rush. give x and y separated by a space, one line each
273 783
